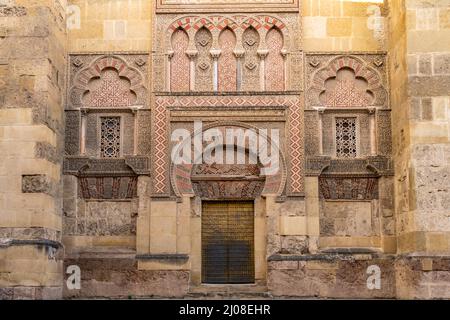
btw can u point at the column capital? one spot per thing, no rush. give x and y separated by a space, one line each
215 53
320 110
192 54
263 54
239 54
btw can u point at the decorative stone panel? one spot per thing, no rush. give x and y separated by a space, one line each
107 81
37 184
346 81
103 218
161 118
107 188
181 62
348 188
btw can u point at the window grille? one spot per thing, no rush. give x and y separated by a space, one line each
346 139
110 137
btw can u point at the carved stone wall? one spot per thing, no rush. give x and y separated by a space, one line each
203 65
227 61
108 127
346 80
101 219
179 62
344 87
275 67
349 112
234 106
251 63
107 81
206 42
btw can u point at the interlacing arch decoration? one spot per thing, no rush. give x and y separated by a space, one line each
233 22
347 81
108 82
218 26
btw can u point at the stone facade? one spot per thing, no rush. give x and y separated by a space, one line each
33 62
358 92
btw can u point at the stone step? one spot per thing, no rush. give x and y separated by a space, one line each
229 296
255 291
251 288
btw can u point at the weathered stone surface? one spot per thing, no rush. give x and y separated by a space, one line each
10 11
294 245
425 64
344 279
119 278
442 64
6 293
32 73
413 282
102 219
427 86
36 184
48 152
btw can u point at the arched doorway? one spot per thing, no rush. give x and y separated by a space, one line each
227 202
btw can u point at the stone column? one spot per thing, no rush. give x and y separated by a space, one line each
192 54
215 54
239 56
169 71
83 131
373 131
284 53
262 70
321 112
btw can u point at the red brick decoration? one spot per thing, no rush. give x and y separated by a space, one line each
109 91
181 174
274 61
161 164
108 82
179 62
227 61
160 149
215 22
344 93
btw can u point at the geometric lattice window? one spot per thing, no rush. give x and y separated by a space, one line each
346 140
110 137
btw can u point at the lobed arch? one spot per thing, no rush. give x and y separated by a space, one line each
361 70
181 175
262 23
95 70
